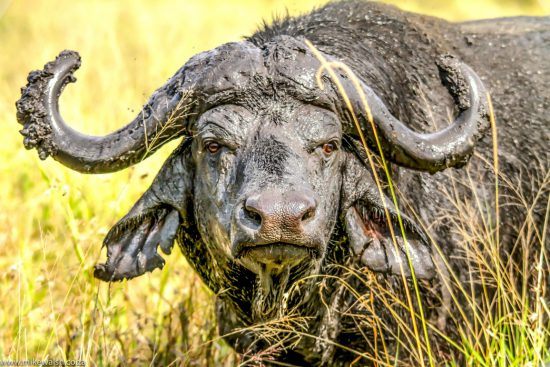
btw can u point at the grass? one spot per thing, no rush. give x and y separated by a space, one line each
500 303
53 220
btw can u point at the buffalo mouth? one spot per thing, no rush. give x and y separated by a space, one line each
277 253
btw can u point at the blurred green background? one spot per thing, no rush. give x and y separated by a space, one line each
52 220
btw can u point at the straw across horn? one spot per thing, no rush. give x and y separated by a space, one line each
449 147
160 120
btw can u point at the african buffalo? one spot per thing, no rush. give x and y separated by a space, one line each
272 197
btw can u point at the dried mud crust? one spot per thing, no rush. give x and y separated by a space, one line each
453 79
452 73
32 107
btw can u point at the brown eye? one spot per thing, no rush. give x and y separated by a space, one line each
212 146
328 148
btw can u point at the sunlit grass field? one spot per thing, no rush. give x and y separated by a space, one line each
53 220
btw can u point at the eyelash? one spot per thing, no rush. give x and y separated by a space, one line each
329 147
212 146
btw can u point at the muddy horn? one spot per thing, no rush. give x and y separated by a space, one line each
432 152
160 120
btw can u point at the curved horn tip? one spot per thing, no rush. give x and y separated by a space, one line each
459 79
451 146
32 108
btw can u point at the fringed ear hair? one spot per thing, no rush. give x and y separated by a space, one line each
367 226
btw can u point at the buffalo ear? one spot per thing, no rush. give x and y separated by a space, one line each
152 222
368 229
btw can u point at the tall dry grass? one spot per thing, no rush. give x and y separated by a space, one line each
498 302
52 220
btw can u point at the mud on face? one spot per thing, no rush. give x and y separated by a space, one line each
267 182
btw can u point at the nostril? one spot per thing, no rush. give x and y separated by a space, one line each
308 214
252 215
273 212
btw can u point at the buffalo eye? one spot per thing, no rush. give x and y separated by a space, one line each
329 147
212 146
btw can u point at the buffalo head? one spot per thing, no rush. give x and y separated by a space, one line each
268 165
